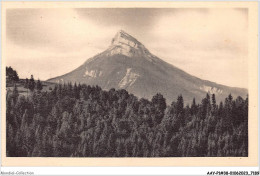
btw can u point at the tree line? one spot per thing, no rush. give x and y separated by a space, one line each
85 121
12 79
32 85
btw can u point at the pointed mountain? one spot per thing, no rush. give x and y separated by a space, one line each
127 64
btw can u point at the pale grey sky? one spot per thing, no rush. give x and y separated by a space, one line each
208 43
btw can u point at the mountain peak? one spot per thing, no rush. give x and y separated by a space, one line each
122 37
125 44
122 32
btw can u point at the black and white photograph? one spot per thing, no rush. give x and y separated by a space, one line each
127 82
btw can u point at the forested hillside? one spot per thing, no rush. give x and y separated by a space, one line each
86 121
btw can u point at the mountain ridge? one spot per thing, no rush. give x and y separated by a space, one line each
127 64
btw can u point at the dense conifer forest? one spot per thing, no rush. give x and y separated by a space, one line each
86 121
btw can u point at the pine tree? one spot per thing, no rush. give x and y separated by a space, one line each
194 107
179 105
205 107
214 105
213 101
11 75
31 85
159 103
39 85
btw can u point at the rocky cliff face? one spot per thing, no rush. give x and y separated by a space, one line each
127 64
127 45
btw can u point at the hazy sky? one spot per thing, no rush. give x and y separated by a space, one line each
208 43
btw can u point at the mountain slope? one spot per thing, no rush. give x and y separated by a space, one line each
127 64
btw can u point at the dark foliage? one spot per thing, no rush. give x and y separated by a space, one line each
84 121
31 84
11 75
39 85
